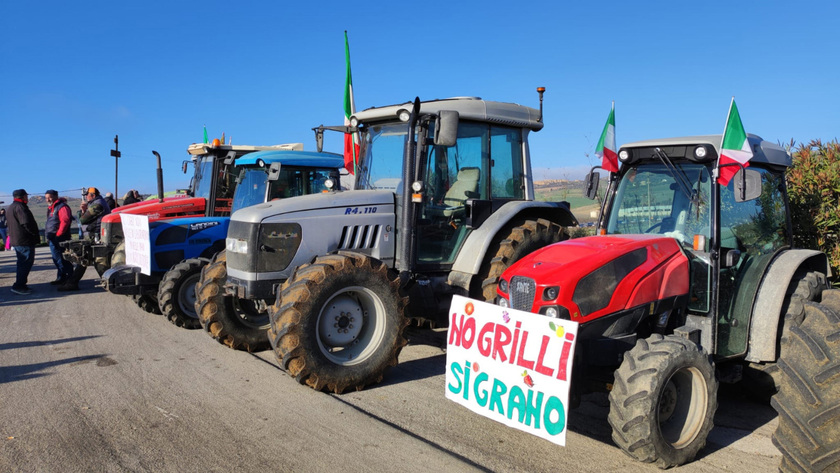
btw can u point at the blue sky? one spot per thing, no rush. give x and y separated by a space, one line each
74 74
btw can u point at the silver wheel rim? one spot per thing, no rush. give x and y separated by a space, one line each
187 297
681 410
351 326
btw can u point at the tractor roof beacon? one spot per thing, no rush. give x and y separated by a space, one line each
443 203
690 283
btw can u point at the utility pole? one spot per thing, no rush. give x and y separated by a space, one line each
116 154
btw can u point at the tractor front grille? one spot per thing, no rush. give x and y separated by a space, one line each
522 291
359 237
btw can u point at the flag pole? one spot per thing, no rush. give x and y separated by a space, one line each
716 172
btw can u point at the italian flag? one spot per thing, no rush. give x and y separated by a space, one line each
351 140
606 149
734 147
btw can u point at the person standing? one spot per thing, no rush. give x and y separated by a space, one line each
95 208
57 230
3 232
23 236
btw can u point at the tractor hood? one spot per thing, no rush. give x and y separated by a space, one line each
347 202
599 275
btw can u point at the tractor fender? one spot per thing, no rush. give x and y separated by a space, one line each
472 253
764 324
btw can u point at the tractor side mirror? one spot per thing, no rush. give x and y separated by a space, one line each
731 259
230 157
273 172
591 184
446 128
747 185
184 167
319 140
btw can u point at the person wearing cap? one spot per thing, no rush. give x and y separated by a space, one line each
57 229
23 236
94 209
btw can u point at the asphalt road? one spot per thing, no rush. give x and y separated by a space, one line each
89 382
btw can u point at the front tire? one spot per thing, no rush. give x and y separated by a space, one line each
526 237
147 303
229 320
663 401
339 322
808 401
177 293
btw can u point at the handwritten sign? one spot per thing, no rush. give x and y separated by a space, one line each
511 366
137 246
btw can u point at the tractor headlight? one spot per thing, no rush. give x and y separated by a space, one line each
503 285
551 293
235 245
700 152
624 155
503 302
552 312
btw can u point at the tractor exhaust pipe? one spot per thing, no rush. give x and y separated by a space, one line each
159 176
541 91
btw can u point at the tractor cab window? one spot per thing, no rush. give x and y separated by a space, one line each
654 198
298 181
485 163
381 160
203 177
250 189
757 230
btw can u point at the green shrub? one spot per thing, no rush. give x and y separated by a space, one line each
814 189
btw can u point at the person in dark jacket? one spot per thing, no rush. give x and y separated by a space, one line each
23 235
57 229
131 197
95 208
112 203
3 232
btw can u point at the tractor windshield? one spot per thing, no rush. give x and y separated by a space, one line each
382 157
203 176
255 188
651 199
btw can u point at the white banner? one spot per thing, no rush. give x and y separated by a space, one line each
137 245
512 366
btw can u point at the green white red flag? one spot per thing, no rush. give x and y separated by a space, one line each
606 149
351 140
734 146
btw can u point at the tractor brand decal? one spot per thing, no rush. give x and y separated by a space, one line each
359 210
197 227
511 366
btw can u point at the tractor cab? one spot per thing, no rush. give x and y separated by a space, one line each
730 234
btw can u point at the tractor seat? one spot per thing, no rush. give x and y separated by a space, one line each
465 187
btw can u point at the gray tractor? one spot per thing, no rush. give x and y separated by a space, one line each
443 204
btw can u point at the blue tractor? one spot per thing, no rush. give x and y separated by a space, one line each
181 247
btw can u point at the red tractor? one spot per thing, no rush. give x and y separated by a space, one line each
687 284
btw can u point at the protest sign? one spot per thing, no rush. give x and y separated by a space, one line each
512 366
137 246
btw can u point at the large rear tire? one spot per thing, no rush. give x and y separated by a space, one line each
229 320
763 379
340 324
177 293
808 401
663 401
524 238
